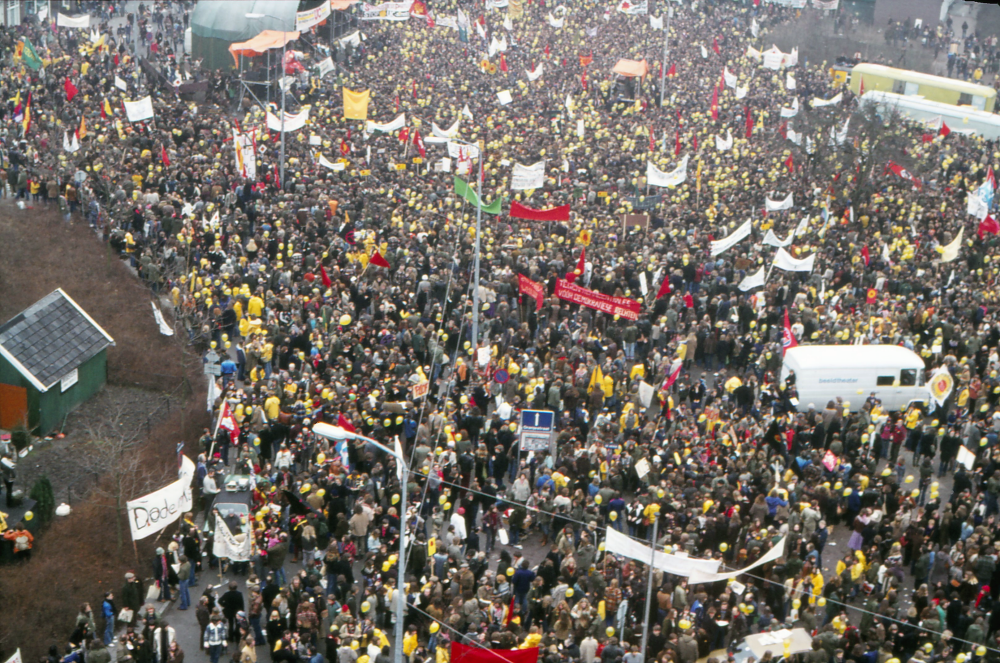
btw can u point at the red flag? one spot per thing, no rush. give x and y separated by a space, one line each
378 260
519 211
228 421
672 71
788 339
546 49
988 225
872 296
944 130
865 255
503 63
104 115
414 89
397 103
861 89
675 371
783 129
677 143
904 173
652 141
583 79
70 89
664 287
404 134
163 155
345 424
580 264
586 60
510 610
694 142
927 138
715 103
749 123
326 277
991 178
790 164
419 142
715 45
345 149
477 654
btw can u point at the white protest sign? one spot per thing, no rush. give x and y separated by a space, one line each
152 513
138 111
528 177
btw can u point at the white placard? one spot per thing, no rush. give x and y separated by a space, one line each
528 177
64 21
69 379
387 11
315 140
732 240
504 97
138 111
325 66
292 122
120 83
238 548
646 393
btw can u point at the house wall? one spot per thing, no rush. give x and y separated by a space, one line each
55 404
12 376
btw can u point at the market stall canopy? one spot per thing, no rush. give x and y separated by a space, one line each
632 68
265 41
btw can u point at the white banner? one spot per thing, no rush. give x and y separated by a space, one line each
676 177
150 514
751 281
681 565
16 658
728 77
292 122
462 152
165 329
235 548
976 206
820 103
556 22
950 252
64 21
537 73
734 238
354 39
773 58
783 260
246 156
633 8
793 136
443 166
70 146
120 83
754 28
772 240
450 132
139 110
789 82
497 4
325 66
579 128
326 163
793 111
395 125
724 145
656 23
446 22
826 4
528 177
310 17
775 553
387 11
742 91
778 205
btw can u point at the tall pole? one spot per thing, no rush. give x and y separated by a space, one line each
401 569
281 78
663 70
649 587
475 286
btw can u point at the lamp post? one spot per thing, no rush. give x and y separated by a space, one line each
281 71
663 67
402 471
475 278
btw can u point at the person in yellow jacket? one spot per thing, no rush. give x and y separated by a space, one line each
272 407
410 641
255 306
532 640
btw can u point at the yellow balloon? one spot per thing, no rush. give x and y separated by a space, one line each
723 546
345 320
435 627
366 606
28 515
610 631
569 593
395 499
613 515
598 499
354 644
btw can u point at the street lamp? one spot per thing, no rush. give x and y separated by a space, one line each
479 217
281 71
332 432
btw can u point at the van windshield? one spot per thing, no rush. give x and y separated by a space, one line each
911 377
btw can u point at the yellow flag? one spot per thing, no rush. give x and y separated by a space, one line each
596 380
107 108
356 104
82 132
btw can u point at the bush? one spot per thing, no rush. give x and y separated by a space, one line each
20 437
45 499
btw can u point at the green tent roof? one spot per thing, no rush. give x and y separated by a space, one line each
227 20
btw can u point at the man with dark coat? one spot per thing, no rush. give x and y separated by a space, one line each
231 603
163 573
132 595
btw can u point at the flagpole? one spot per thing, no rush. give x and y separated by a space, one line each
218 422
663 67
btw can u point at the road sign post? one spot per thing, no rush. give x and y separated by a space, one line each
537 430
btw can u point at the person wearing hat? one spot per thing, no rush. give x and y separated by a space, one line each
131 596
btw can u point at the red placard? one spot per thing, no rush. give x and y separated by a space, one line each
621 306
532 289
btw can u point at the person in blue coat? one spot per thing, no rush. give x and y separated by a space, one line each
108 611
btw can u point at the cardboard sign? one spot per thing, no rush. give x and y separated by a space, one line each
602 194
366 173
400 166
420 390
633 220
417 160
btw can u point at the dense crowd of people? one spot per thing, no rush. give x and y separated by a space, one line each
289 282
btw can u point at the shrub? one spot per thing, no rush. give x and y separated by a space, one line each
41 492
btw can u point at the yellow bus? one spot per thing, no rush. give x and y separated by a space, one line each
932 88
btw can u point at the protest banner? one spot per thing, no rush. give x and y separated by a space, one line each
620 306
528 287
155 511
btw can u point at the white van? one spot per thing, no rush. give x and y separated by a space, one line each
853 372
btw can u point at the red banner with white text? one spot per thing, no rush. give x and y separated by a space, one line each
621 306
532 289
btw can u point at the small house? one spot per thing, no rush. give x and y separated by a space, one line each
53 357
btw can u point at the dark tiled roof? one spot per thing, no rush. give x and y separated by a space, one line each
52 337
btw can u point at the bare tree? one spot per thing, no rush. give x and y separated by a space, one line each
114 455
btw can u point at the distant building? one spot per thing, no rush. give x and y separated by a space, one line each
53 357
928 11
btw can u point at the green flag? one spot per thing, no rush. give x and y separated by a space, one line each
464 190
29 57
